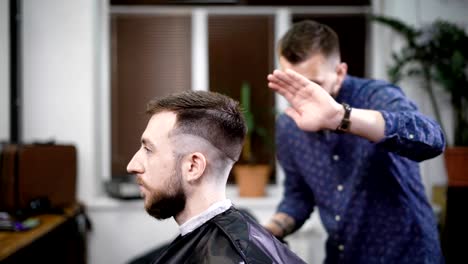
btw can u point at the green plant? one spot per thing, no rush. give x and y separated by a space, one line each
438 53
254 130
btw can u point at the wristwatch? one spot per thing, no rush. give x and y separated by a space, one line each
345 122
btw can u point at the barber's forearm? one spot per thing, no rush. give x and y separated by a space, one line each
368 124
280 225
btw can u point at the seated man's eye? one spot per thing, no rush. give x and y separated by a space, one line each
146 149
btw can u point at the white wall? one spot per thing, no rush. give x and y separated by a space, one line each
61 94
63 82
4 71
59 71
125 231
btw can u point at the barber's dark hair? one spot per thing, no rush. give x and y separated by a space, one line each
307 38
212 116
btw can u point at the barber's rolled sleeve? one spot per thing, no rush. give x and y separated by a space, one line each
408 133
412 135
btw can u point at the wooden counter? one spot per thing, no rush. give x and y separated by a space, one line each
56 238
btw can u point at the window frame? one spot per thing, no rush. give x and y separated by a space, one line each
200 61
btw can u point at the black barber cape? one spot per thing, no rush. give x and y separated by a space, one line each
230 237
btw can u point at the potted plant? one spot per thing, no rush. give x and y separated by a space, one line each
251 172
438 53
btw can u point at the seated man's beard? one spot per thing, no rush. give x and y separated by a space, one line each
167 202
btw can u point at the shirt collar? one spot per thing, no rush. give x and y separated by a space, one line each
198 220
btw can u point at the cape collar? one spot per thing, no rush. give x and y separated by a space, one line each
198 220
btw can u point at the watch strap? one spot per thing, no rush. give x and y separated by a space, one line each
345 122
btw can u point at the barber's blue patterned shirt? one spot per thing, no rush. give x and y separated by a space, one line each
370 195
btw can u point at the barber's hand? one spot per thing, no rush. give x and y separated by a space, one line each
274 230
311 107
280 225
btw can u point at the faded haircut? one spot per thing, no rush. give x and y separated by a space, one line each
212 116
307 38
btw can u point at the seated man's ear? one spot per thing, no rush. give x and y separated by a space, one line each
193 167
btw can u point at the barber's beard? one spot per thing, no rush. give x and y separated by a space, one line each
167 202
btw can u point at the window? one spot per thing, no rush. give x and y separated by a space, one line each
241 50
154 53
151 56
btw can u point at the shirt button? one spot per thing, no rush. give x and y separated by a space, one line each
341 247
336 157
337 218
411 136
339 187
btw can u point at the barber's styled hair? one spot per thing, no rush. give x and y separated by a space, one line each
307 38
212 116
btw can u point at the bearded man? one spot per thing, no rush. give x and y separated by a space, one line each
188 148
